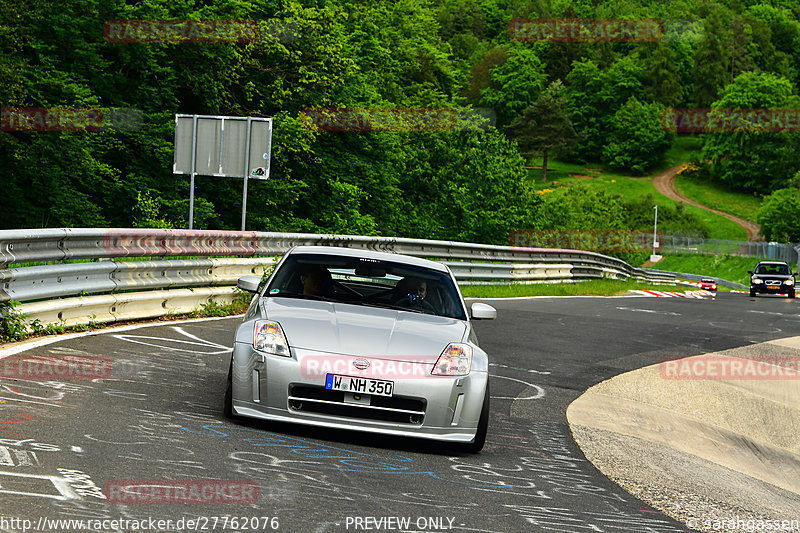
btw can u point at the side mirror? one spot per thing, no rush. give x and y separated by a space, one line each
481 311
750 272
249 283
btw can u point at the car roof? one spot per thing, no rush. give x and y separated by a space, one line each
368 254
783 263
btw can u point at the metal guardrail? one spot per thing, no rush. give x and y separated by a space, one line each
105 289
653 276
24 246
695 277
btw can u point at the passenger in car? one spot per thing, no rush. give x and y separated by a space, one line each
316 281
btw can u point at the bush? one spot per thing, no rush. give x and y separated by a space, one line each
637 141
779 216
12 322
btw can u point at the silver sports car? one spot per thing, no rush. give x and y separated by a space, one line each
355 339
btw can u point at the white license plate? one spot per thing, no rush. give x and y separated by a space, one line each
378 387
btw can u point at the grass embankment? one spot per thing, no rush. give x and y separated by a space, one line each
728 267
710 193
600 287
561 174
717 196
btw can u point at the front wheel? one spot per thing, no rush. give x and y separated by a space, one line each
790 294
752 293
483 425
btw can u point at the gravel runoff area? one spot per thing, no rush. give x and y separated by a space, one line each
711 440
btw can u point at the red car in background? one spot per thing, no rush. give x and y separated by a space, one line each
708 284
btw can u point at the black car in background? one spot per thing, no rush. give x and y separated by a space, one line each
772 277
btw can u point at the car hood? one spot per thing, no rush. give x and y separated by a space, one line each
340 328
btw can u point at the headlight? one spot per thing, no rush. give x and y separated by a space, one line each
757 280
789 282
269 337
454 361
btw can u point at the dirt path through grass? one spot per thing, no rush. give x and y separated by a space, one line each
665 184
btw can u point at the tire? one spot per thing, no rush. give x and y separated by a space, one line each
791 294
227 408
752 293
483 426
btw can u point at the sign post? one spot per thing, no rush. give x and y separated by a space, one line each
655 257
234 147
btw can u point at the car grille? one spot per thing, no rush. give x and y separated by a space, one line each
318 400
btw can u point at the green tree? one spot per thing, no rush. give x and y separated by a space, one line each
712 59
469 187
740 47
637 141
779 216
594 96
784 33
479 77
147 212
545 128
662 76
515 84
745 152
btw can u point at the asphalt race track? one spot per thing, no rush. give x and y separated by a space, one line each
68 446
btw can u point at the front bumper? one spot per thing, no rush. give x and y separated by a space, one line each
287 389
764 288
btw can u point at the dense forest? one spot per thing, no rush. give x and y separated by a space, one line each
594 100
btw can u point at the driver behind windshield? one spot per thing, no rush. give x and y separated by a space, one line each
773 269
316 281
412 288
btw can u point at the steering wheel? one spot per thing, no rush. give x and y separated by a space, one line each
416 303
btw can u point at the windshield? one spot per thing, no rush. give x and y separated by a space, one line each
368 282
781 270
